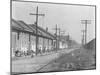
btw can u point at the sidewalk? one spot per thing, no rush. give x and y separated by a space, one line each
33 64
42 54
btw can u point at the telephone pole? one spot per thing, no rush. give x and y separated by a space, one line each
37 15
85 22
57 30
83 34
60 32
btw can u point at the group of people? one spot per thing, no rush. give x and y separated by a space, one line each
19 53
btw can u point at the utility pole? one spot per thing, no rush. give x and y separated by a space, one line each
61 33
56 38
57 30
85 22
37 14
83 34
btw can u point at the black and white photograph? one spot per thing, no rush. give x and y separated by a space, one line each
52 37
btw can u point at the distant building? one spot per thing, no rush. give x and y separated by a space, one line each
23 38
91 44
63 41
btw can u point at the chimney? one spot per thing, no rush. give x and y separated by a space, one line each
46 29
34 23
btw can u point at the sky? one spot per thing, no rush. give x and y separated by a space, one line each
67 17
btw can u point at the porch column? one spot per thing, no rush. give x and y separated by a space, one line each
29 41
48 44
18 40
43 45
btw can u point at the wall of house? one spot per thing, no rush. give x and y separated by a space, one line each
45 44
33 42
13 42
50 44
23 41
40 43
63 45
23 44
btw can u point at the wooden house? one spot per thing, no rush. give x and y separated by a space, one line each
23 38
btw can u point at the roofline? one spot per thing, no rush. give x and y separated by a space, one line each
31 28
16 22
44 30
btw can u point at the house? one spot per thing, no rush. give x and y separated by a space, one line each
46 40
20 34
63 41
91 44
23 38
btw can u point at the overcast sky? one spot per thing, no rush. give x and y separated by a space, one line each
68 17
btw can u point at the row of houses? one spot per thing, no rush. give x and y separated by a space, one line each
23 37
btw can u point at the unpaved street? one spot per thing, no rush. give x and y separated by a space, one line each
29 64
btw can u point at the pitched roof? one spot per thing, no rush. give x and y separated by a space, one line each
91 44
15 25
43 31
63 38
20 25
25 26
